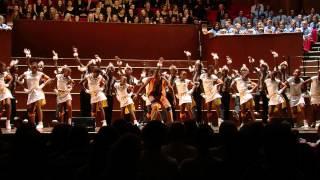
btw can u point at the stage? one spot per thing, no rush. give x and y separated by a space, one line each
309 134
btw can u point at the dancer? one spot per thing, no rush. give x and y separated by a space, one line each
109 91
244 86
36 97
126 102
95 89
210 83
295 85
13 70
64 87
5 94
181 86
170 95
157 94
262 72
276 100
315 98
197 70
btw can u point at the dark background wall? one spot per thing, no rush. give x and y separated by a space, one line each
107 40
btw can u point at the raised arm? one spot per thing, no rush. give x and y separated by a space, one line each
76 56
55 60
27 52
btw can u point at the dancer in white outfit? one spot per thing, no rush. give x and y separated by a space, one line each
295 85
276 101
36 97
182 88
244 86
315 98
63 89
95 89
126 102
5 94
210 83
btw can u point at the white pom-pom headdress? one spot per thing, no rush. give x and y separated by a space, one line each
215 56
14 62
274 54
229 60
188 53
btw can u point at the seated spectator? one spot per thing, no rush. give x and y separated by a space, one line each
148 10
38 7
293 27
221 12
224 19
122 15
299 19
130 16
68 17
257 9
306 30
3 25
61 8
314 24
281 28
280 17
70 9
291 16
269 29
240 19
268 12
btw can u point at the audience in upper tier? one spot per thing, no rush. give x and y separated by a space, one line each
261 18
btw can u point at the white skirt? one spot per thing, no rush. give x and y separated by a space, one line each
5 94
275 99
97 97
63 97
35 95
184 99
245 97
315 99
125 101
296 100
211 97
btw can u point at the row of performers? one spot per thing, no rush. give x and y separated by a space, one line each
280 94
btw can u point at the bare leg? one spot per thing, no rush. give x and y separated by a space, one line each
69 107
209 113
61 112
8 111
39 112
31 113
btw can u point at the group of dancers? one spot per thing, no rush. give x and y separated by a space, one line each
214 85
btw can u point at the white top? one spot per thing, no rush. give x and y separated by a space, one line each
272 86
210 87
63 88
2 79
94 83
295 89
184 95
315 86
122 94
33 80
243 89
144 81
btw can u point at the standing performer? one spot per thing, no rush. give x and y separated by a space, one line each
5 94
64 87
146 95
197 70
95 89
157 94
210 83
13 69
296 98
315 98
126 102
182 85
36 97
262 72
276 101
244 86
170 96
109 91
